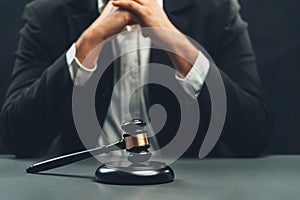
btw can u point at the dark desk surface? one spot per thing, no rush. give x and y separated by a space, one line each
275 177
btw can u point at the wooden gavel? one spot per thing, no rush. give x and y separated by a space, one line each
135 141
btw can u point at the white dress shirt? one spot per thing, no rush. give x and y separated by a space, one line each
124 41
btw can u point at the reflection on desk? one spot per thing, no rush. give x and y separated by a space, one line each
275 177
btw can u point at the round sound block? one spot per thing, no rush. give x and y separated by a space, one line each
126 173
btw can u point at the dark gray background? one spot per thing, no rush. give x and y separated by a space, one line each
275 33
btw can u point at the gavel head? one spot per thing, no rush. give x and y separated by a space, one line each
136 141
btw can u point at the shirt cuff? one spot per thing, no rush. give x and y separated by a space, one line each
194 80
79 73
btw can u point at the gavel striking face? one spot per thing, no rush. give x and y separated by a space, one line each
136 141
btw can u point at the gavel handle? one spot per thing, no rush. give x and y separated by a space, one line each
74 157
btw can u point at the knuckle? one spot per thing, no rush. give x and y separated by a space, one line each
147 11
130 4
127 17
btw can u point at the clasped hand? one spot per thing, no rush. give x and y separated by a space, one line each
119 13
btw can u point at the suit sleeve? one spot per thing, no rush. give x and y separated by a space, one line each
248 123
40 89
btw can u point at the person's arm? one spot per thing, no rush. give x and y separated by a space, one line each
38 103
247 127
34 108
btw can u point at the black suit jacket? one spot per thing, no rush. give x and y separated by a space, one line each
38 105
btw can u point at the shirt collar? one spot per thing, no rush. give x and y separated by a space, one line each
160 2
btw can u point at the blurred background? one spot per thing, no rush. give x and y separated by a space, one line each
274 27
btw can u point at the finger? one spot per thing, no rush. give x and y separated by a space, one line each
141 2
108 10
131 6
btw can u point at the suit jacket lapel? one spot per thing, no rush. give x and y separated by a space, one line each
176 11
